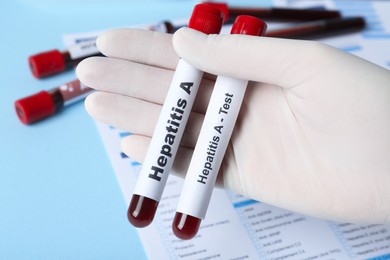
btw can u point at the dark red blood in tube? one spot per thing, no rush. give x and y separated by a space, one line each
141 211
185 226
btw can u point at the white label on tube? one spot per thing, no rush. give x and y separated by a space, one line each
74 91
84 49
169 131
218 125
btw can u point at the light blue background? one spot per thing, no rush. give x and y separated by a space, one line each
59 198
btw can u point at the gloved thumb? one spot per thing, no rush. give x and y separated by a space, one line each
263 59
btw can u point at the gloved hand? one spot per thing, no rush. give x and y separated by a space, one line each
313 134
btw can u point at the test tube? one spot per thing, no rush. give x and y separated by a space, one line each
275 13
170 126
51 62
320 28
217 127
46 103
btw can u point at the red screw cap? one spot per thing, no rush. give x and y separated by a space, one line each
223 7
206 18
35 107
249 25
47 63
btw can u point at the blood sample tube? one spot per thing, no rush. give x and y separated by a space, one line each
51 62
320 28
275 13
170 126
46 103
217 127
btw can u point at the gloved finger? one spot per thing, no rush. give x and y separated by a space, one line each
138 45
125 78
135 115
136 146
269 60
135 80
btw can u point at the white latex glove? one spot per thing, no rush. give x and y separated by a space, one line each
313 135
